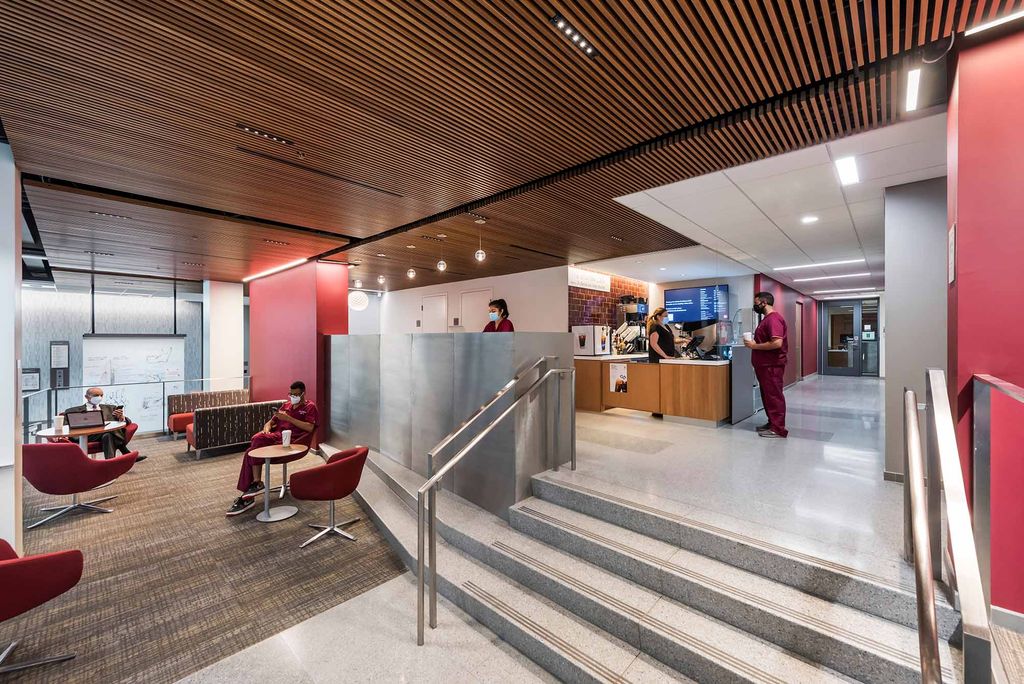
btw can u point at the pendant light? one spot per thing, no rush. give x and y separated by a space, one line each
480 253
442 265
359 284
381 279
411 273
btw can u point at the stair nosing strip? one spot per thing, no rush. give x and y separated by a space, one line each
853 638
539 630
736 536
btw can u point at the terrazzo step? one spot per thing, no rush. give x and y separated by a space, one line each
566 646
685 639
862 646
882 593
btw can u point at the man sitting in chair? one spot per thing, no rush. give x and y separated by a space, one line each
299 416
111 441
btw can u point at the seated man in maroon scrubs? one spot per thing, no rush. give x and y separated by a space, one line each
299 416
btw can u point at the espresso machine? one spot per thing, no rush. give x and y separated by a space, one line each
630 335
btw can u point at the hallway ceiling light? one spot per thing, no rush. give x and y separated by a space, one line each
845 289
567 31
276 269
847 168
992 24
913 86
824 263
845 275
809 219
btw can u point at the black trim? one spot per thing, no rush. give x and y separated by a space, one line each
310 169
135 335
171 204
65 269
3 134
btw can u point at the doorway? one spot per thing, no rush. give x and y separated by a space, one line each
849 337
798 339
434 314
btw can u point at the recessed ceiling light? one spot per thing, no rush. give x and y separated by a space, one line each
847 169
913 85
477 218
845 275
263 134
381 254
280 243
192 263
662 269
616 238
410 246
992 24
845 289
442 235
567 30
824 263
94 253
809 219
113 216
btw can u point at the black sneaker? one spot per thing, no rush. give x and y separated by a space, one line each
254 490
766 426
140 458
240 506
770 434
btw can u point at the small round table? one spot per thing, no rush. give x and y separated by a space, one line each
277 513
81 434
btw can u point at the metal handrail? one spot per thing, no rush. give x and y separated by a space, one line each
944 474
426 496
127 384
472 418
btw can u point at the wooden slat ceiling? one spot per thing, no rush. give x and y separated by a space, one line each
398 110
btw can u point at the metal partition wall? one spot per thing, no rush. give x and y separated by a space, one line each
402 394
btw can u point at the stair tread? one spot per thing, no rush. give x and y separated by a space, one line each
681 625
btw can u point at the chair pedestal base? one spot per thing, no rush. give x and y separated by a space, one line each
330 528
75 505
16 667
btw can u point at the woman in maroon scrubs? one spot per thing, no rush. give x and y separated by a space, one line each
499 317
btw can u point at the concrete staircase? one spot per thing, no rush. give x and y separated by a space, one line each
599 588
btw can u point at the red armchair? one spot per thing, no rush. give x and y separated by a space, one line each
334 480
60 468
32 581
129 431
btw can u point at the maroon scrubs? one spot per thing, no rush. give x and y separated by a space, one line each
502 325
304 411
770 369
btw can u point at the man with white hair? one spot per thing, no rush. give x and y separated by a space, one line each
114 440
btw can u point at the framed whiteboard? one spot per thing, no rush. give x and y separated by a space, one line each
138 371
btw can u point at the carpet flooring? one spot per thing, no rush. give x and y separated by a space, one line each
171 585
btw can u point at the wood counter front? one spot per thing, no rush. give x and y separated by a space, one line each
693 391
643 385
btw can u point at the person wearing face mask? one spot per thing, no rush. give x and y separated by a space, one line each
768 356
661 342
111 441
298 415
499 317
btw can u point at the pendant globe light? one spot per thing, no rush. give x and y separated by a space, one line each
359 284
411 273
381 279
442 265
480 253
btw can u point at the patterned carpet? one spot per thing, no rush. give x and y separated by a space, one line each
171 585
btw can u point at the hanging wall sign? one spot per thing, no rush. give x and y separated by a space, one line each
589 280
951 266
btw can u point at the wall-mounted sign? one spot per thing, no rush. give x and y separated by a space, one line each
30 379
589 280
60 363
951 266
618 377
868 335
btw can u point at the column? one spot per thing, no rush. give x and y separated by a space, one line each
223 335
10 349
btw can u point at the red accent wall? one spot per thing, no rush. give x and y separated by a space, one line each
1007 504
290 315
786 299
591 307
986 164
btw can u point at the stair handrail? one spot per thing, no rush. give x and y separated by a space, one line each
923 533
426 496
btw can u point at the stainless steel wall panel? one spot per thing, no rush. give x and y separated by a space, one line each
432 389
364 390
396 398
339 421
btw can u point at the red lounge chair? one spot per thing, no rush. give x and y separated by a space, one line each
334 480
129 431
32 581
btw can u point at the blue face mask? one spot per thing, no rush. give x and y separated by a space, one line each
494 315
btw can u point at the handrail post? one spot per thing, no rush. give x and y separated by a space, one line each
934 483
420 514
572 421
908 514
558 421
433 555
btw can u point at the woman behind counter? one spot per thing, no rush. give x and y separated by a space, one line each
661 342
499 317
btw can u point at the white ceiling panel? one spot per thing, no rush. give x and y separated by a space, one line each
802 191
671 265
784 163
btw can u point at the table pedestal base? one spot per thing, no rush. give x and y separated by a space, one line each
277 514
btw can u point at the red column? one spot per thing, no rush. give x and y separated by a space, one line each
290 316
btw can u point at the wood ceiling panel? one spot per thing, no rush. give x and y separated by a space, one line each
398 112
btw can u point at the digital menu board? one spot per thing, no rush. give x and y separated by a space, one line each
693 304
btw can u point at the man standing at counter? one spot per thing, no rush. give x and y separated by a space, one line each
768 356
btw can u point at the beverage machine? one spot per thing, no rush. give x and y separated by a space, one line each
630 336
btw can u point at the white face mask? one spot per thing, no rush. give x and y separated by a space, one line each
96 400
294 399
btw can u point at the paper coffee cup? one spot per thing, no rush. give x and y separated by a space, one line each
749 337
58 423
286 437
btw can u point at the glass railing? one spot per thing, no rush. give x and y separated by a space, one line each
145 403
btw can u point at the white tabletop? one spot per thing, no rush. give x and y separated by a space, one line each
109 426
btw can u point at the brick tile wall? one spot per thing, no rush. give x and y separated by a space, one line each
590 307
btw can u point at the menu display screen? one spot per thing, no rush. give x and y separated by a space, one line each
693 304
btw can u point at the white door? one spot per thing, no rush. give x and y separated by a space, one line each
434 317
473 316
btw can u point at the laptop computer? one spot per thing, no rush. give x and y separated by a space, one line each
77 420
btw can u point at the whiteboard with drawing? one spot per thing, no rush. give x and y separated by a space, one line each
112 362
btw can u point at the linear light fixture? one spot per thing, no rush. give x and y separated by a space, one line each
571 34
276 269
992 24
845 289
913 86
113 216
94 253
824 263
845 275
809 219
192 263
280 243
847 169
263 134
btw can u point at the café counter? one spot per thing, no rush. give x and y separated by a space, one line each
683 388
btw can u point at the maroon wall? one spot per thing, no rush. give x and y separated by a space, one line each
591 307
985 166
786 299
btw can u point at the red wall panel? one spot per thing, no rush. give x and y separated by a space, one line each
786 299
332 299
